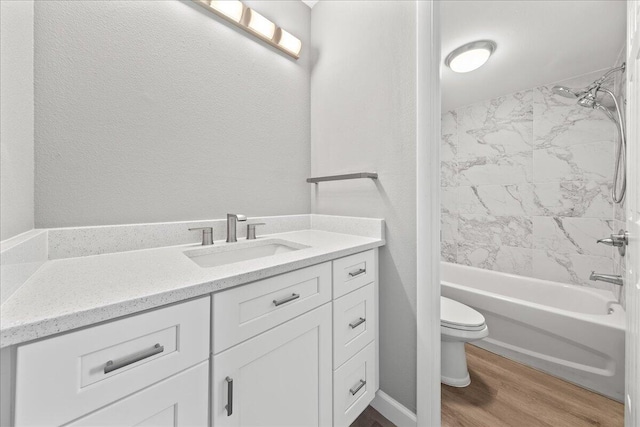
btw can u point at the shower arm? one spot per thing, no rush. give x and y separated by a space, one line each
608 73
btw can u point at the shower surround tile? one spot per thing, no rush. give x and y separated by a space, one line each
496 230
526 183
583 162
571 268
449 146
516 199
507 259
449 174
497 127
588 199
505 169
561 122
448 251
571 235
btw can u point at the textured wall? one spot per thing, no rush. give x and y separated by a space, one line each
363 104
16 118
151 111
526 185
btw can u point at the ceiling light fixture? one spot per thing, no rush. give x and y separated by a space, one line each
470 56
251 21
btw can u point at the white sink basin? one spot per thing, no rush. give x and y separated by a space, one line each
237 252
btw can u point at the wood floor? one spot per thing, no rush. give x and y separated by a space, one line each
372 418
506 393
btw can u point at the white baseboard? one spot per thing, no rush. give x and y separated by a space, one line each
392 410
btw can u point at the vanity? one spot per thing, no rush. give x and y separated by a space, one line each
285 336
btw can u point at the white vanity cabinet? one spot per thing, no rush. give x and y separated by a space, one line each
64 378
297 349
279 378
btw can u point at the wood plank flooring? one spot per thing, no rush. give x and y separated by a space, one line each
504 393
371 418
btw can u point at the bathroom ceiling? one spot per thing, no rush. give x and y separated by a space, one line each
310 3
539 42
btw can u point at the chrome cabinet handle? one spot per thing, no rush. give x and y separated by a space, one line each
357 272
286 299
229 405
112 366
357 323
357 388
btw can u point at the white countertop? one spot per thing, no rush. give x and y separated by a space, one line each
66 294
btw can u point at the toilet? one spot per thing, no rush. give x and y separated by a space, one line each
458 324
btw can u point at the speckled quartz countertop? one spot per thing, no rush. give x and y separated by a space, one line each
66 294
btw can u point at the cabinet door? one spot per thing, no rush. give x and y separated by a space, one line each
179 401
279 378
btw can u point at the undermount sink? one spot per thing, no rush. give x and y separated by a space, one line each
236 252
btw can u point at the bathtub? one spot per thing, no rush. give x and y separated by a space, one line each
571 332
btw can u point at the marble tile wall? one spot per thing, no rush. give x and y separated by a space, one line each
526 182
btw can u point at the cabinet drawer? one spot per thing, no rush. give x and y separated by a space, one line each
244 312
62 378
179 401
354 386
354 323
353 272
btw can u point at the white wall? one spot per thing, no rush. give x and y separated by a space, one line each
16 117
150 111
363 104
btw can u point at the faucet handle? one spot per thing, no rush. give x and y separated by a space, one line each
251 230
619 241
207 235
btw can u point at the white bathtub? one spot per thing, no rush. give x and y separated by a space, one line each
572 332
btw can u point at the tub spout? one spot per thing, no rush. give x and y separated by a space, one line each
616 279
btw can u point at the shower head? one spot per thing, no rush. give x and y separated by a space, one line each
568 92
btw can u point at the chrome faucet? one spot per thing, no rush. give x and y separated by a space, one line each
616 279
231 226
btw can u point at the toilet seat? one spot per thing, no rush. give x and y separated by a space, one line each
455 315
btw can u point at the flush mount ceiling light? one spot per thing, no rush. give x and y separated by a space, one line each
470 56
251 21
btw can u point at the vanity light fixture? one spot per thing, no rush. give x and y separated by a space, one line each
470 56
260 25
288 42
251 21
231 9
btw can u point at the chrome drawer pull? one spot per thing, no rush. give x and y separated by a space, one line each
357 272
285 300
112 366
357 323
229 405
353 391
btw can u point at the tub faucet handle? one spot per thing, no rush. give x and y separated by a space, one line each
620 241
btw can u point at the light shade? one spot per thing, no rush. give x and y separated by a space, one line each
470 56
232 9
261 25
288 41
